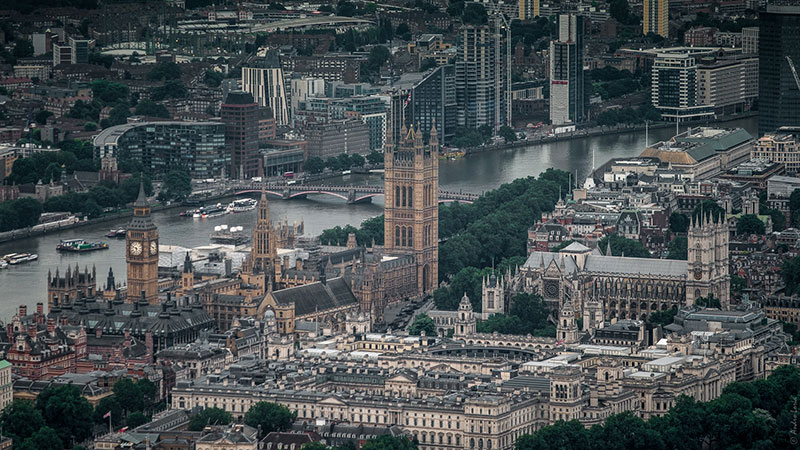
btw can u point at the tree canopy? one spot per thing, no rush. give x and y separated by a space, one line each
422 322
270 417
621 245
66 411
209 416
528 315
750 224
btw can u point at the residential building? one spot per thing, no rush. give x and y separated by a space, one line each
431 100
302 89
199 147
483 74
674 86
528 9
567 102
779 63
721 85
241 115
263 78
6 385
62 54
780 146
750 40
656 17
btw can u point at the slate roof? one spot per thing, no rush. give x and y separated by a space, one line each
317 296
612 264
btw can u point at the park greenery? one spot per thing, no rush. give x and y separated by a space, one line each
612 117
678 248
19 213
678 223
761 414
528 315
750 224
794 208
662 318
371 230
472 137
609 82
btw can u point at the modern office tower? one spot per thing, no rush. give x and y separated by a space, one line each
674 86
656 17
528 9
263 78
302 89
778 67
326 140
750 40
567 103
80 50
483 74
240 113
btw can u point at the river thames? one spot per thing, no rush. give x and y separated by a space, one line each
27 284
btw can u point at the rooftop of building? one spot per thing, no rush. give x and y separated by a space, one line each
697 144
111 135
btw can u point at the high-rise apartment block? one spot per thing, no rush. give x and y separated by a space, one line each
567 103
779 62
750 40
656 17
80 51
674 86
263 78
483 74
528 9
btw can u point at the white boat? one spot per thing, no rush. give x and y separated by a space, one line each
22 258
3 264
242 205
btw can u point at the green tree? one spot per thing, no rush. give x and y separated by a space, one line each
662 318
750 224
621 245
119 115
45 438
507 133
375 157
109 92
561 435
164 71
678 248
129 395
270 417
212 78
314 165
790 273
738 284
209 416
42 116
20 420
170 89
708 302
423 322
388 442
177 184
66 411
136 419
709 208
678 223
23 48
475 14
106 405
150 108
357 160
90 126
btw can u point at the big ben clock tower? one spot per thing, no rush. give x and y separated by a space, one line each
141 252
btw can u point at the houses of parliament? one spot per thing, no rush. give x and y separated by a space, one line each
352 283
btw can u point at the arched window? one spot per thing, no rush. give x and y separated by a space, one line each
697 254
410 197
403 234
397 236
404 197
397 196
410 236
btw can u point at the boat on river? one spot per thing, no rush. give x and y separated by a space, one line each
229 236
22 258
80 246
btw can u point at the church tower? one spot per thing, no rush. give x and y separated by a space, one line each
411 213
187 276
567 329
142 252
492 296
262 253
708 260
465 321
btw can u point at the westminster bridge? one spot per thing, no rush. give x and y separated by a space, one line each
351 194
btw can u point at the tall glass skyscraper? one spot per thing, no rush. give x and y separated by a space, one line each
778 50
567 103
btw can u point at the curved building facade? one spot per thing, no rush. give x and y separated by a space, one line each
198 147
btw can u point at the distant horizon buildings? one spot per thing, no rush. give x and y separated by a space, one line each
778 50
567 100
263 78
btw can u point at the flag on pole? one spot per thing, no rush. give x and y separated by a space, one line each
107 415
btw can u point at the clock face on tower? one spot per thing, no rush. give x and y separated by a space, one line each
136 248
154 248
698 274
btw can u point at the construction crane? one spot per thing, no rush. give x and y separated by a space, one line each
794 72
